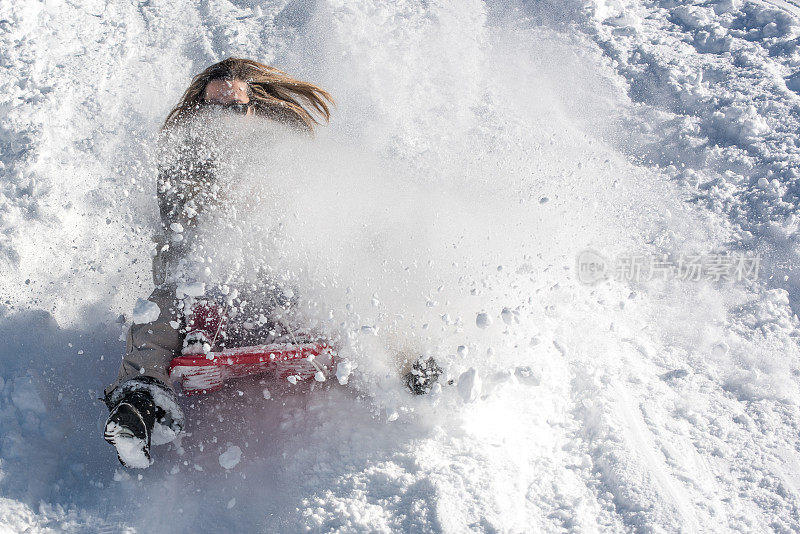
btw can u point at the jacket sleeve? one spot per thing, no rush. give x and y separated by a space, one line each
182 189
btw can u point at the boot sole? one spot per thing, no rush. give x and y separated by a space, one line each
132 451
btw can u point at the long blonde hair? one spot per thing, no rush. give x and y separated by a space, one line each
273 93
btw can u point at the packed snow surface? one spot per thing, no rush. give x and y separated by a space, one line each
585 210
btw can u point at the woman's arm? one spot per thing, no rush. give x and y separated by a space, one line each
184 191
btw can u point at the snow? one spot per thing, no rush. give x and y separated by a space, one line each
469 385
25 396
129 448
483 320
230 458
344 369
466 136
507 316
191 289
145 311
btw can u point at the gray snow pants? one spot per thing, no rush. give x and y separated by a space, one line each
151 346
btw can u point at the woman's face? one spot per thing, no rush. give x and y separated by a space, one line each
227 92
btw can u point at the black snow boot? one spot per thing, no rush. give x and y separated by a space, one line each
423 374
129 428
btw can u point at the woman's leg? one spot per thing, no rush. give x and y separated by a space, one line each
151 346
143 407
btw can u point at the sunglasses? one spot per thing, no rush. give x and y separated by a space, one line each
233 107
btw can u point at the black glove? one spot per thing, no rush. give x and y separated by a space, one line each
423 374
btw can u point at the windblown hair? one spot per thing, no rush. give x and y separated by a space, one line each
273 94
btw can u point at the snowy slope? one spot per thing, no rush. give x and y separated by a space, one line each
477 148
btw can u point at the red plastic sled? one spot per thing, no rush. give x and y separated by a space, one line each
204 373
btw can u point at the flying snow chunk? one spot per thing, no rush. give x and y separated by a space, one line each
145 311
195 289
343 370
507 315
176 227
483 320
231 457
469 385
528 376
462 351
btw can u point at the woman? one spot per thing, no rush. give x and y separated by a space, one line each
143 406
142 403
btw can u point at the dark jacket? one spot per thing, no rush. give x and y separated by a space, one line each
186 190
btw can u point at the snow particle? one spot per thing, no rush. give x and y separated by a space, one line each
231 457
145 311
196 289
526 375
469 385
343 370
483 320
